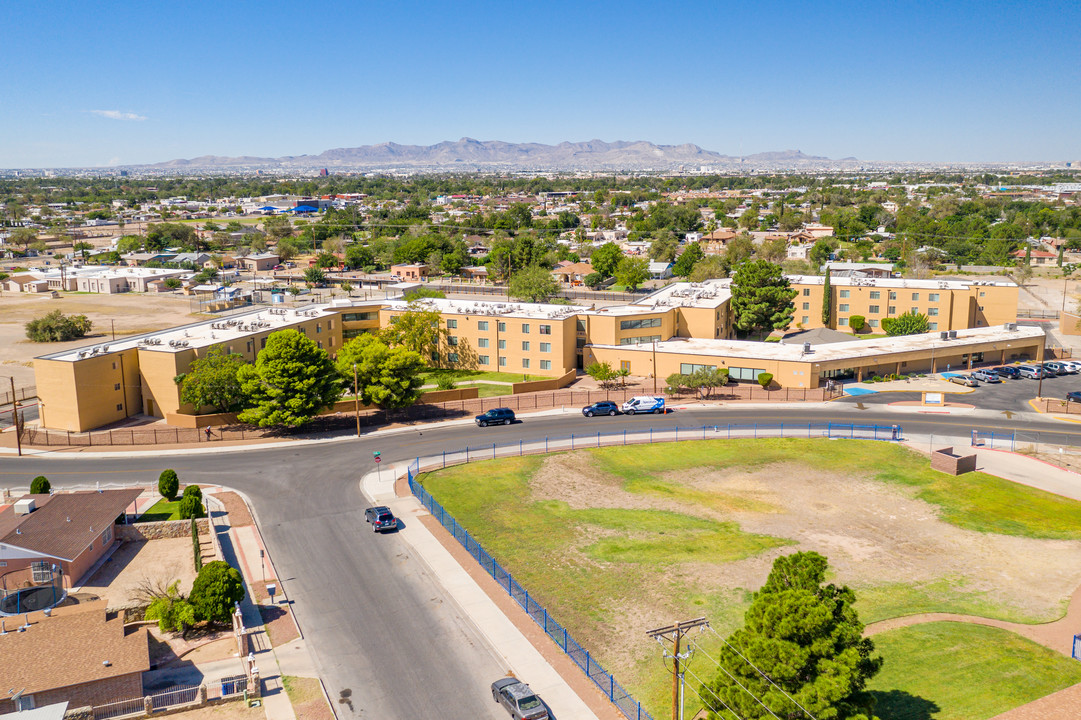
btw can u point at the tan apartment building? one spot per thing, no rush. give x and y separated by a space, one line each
99 385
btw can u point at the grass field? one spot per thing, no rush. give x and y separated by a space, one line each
617 540
161 510
965 672
432 375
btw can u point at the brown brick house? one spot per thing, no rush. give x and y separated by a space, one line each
72 530
80 654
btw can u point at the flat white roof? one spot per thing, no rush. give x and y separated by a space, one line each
709 294
854 350
537 311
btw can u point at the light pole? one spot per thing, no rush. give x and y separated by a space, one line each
356 398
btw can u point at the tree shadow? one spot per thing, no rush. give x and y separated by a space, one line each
900 705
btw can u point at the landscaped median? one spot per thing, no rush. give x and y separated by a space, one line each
614 541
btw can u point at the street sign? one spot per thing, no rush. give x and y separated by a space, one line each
376 454
377 459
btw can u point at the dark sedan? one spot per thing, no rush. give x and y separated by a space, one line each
605 407
1008 371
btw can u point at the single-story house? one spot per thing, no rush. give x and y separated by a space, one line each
140 259
1039 257
573 274
70 530
660 270
715 242
78 654
415 271
262 261
474 272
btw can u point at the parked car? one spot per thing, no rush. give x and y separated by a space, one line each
966 380
518 699
279 267
1008 371
495 416
987 376
1073 396
643 404
1032 372
1059 368
381 518
1048 372
604 407
1073 365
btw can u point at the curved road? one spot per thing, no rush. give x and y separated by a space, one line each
386 638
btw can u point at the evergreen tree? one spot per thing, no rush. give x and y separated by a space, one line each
827 300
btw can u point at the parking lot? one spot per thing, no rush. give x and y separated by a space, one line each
1007 395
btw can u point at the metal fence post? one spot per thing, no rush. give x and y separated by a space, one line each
520 453
545 443
493 451
651 436
572 441
598 438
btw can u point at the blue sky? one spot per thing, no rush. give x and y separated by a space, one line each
101 83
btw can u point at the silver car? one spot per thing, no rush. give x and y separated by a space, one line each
516 697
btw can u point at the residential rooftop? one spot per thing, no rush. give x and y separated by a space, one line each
63 524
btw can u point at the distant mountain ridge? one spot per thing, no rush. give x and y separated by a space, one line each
469 154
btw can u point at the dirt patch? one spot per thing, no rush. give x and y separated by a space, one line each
239 515
307 698
225 711
277 616
154 563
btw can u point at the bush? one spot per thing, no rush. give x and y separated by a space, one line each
56 327
216 591
445 382
168 484
193 490
40 486
764 379
857 323
198 550
191 504
173 611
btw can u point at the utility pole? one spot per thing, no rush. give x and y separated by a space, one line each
15 417
654 367
356 398
675 633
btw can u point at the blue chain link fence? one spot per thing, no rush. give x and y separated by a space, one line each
615 692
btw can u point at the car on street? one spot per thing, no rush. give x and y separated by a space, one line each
381 518
1060 368
643 404
495 416
1032 372
966 380
987 376
604 407
1008 371
518 699
1073 396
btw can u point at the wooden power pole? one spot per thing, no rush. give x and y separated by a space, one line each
675 634
15 417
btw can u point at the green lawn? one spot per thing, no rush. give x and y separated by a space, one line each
956 671
161 510
432 375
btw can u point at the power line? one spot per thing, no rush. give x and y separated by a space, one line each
676 632
707 702
737 682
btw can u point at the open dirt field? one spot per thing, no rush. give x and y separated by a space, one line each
874 534
131 313
158 562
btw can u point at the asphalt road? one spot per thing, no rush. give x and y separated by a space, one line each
1012 395
387 640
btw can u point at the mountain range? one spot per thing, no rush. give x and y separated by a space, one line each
467 155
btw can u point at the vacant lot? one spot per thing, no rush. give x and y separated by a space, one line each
138 565
130 313
616 541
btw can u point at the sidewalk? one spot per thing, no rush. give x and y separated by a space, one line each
507 641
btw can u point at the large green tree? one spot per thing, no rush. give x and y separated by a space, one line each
212 381
761 297
632 272
910 323
533 284
801 646
291 381
418 328
605 259
827 300
57 327
386 376
688 258
217 589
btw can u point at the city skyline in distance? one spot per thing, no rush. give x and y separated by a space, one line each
120 84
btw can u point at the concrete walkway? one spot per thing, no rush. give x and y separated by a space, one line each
506 640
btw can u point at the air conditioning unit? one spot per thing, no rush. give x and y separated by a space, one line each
944 335
1011 326
806 347
953 334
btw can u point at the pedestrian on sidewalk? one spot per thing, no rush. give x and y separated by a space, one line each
208 434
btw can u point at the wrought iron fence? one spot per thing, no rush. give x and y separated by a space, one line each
120 708
21 393
176 695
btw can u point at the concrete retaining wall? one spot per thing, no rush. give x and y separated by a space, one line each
159 530
542 385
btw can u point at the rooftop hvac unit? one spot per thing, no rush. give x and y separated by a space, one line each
806 347
24 506
953 334
1011 326
944 335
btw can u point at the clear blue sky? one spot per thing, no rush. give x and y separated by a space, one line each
107 82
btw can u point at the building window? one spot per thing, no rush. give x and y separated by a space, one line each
116 386
546 347
806 293
107 536
805 319
525 346
320 344
40 570
806 306
525 362
893 295
482 342
452 357
546 365
452 324
502 327
581 325
250 343
980 308
502 362
872 309
262 343
435 357
875 294
482 325
914 309
915 297
891 310
932 326
330 324
332 342
525 328
120 407
932 297
579 343
357 317
688 368
318 328
452 339
625 365
545 329
482 359
845 293
873 323
932 312
843 307
842 321
639 339
114 364
502 344
744 373
639 323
